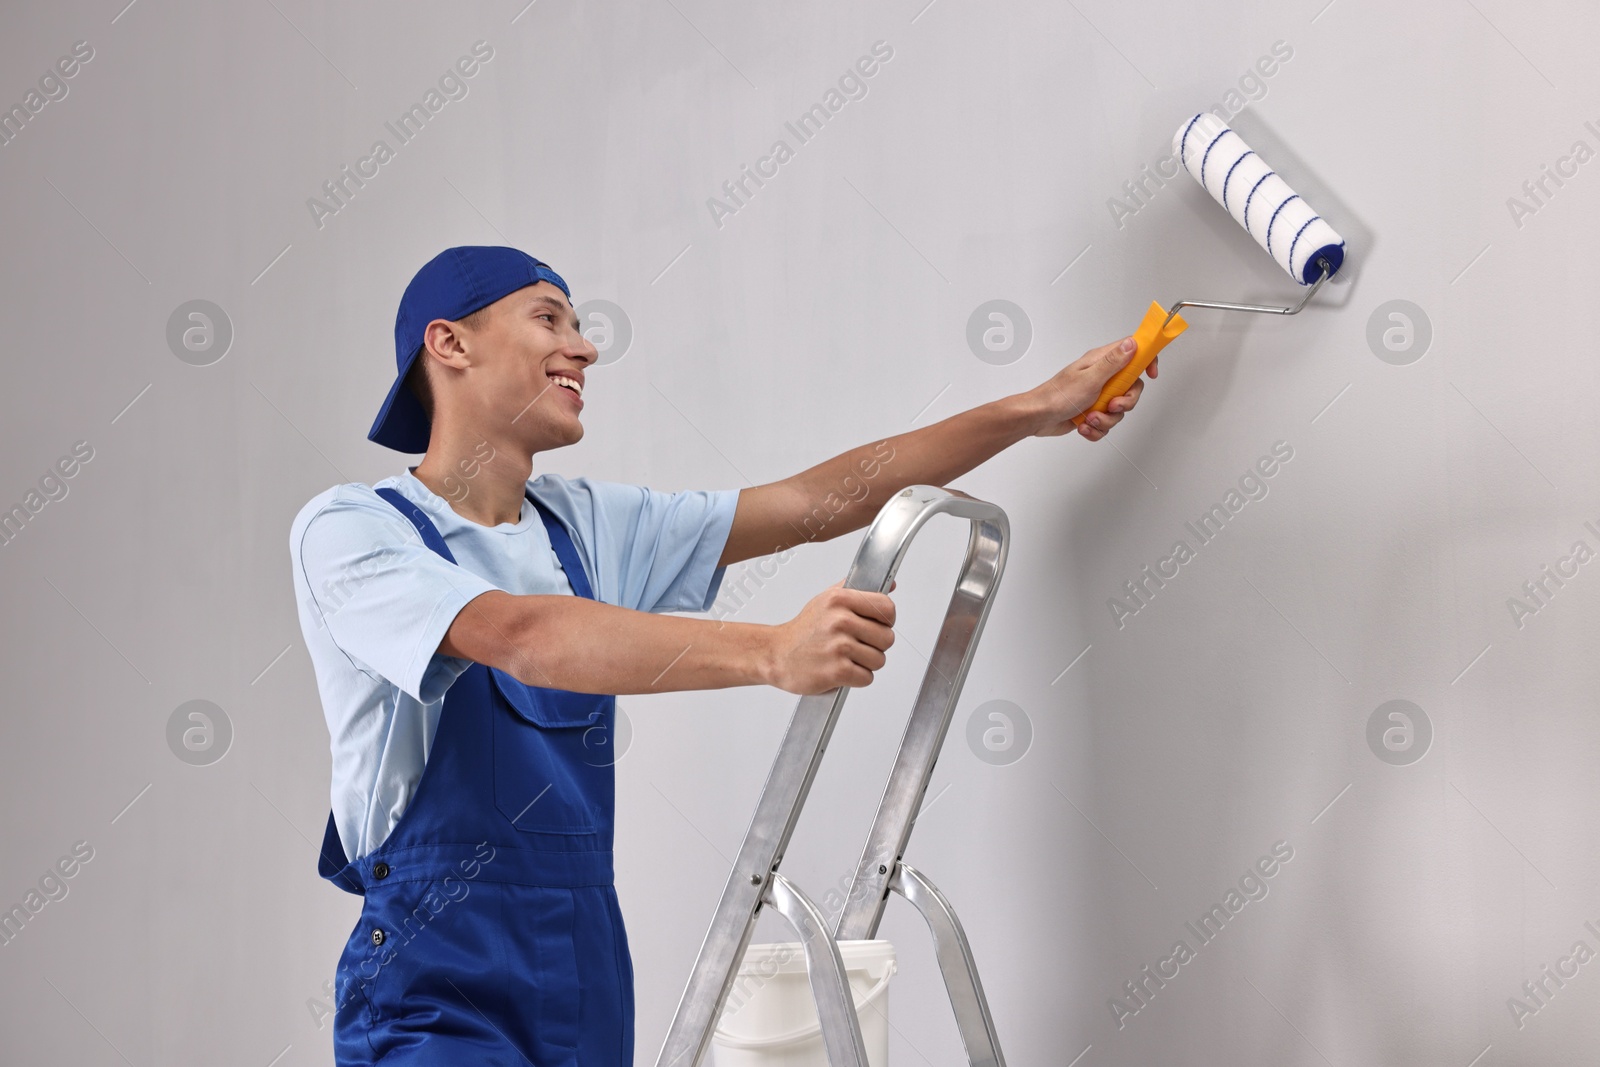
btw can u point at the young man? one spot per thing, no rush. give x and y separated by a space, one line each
471 627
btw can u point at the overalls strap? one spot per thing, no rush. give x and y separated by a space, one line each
419 519
566 551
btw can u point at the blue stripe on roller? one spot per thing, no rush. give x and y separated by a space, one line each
1183 142
1225 131
1253 188
1295 196
1229 177
1296 240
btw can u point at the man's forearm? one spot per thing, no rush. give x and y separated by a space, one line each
585 646
581 645
845 493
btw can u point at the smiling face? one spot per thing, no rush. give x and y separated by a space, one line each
514 373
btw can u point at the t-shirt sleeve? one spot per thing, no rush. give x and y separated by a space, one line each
385 598
662 547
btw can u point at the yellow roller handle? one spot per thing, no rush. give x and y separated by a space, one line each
1151 338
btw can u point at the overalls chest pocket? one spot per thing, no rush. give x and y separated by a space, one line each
550 771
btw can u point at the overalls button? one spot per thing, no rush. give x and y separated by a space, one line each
377 937
380 870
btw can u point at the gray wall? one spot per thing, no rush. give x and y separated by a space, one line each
1231 713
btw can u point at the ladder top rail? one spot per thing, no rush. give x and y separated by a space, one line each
898 521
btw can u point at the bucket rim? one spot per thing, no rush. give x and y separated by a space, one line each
872 956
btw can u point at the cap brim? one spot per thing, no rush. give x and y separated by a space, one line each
401 423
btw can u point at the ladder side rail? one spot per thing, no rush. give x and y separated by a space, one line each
925 730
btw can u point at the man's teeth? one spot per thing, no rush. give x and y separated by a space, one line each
568 382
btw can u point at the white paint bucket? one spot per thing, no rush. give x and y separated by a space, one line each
770 1019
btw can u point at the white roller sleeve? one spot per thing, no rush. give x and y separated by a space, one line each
1258 199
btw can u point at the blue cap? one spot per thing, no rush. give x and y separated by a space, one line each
451 285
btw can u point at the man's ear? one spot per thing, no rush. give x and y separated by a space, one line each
448 342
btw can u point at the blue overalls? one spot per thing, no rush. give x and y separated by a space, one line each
491 933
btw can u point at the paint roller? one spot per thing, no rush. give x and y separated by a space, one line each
1293 234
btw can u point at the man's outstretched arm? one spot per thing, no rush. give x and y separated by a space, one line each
570 642
845 493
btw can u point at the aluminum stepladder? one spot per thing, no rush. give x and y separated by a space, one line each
755 880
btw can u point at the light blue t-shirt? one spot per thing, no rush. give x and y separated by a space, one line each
375 602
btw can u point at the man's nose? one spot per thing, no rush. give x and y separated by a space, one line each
586 349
